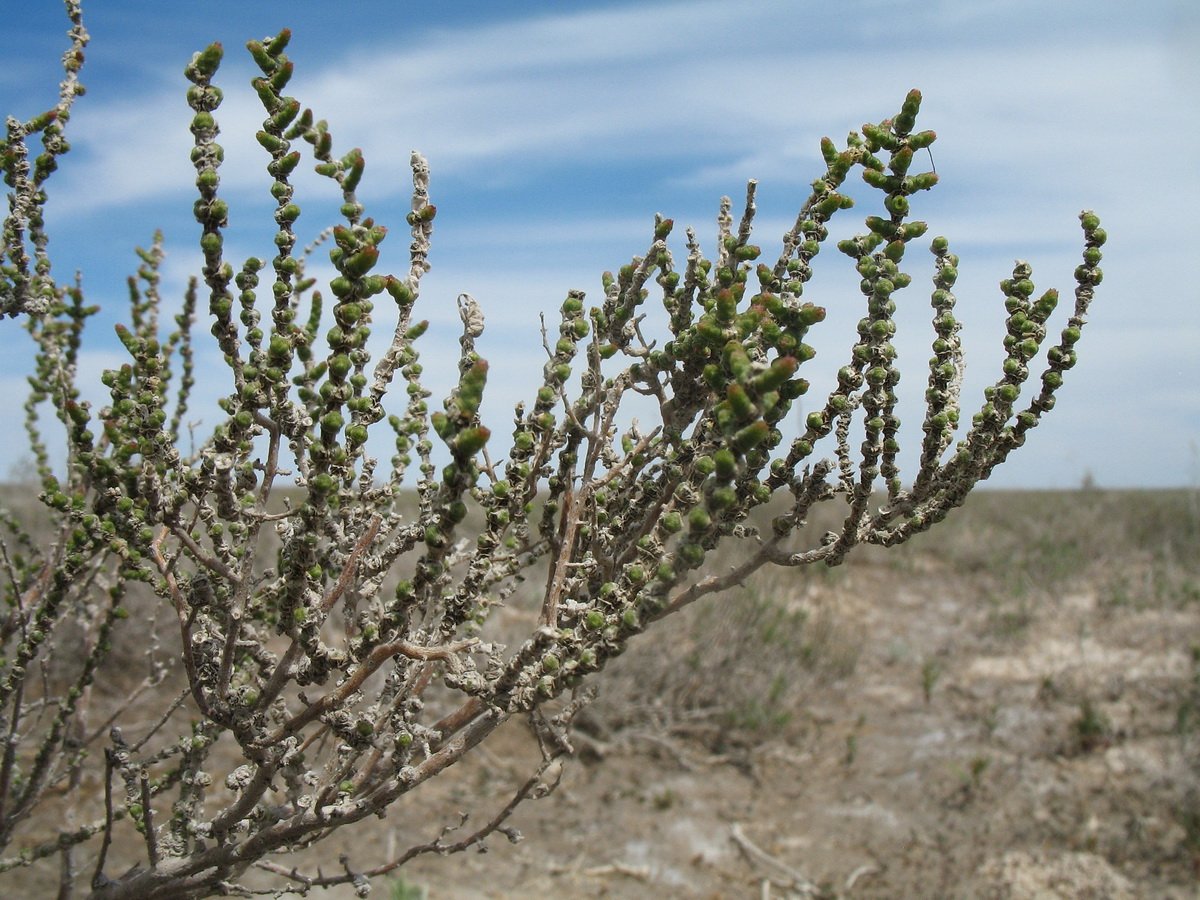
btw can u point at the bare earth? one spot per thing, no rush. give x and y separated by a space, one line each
1007 707
1002 736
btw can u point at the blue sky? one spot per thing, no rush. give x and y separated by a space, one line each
555 131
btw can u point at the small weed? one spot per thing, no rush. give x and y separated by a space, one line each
979 765
991 719
1048 691
931 672
1187 715
400 889
1187 814
970 781
852 743
1010 622
1092 729
665 799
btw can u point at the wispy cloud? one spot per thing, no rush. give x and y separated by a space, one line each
531 120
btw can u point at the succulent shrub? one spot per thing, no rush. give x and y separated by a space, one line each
333 619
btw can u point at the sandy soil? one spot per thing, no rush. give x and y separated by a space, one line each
1009 710
1046 747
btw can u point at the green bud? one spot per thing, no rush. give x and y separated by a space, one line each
922 139
361 262
206 62
726 464
922 182
722 498
470 441
692 554
750 437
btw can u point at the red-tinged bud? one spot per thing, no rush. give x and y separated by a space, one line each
286 114
361 262
908 113
301 125
261 57
779 372
709 332
736 360
900 161
205 63
425 214
284 165
751 436
354 171
279 42
810 314
922 139
282 75
740 404
829 151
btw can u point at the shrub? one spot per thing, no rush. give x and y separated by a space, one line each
300 725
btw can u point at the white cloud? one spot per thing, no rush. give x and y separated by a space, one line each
1034 123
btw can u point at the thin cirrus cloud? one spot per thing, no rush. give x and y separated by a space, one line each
535 122
515 98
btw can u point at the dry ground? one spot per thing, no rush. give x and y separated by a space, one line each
1007 707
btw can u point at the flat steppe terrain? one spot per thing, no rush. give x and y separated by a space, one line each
1007 706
